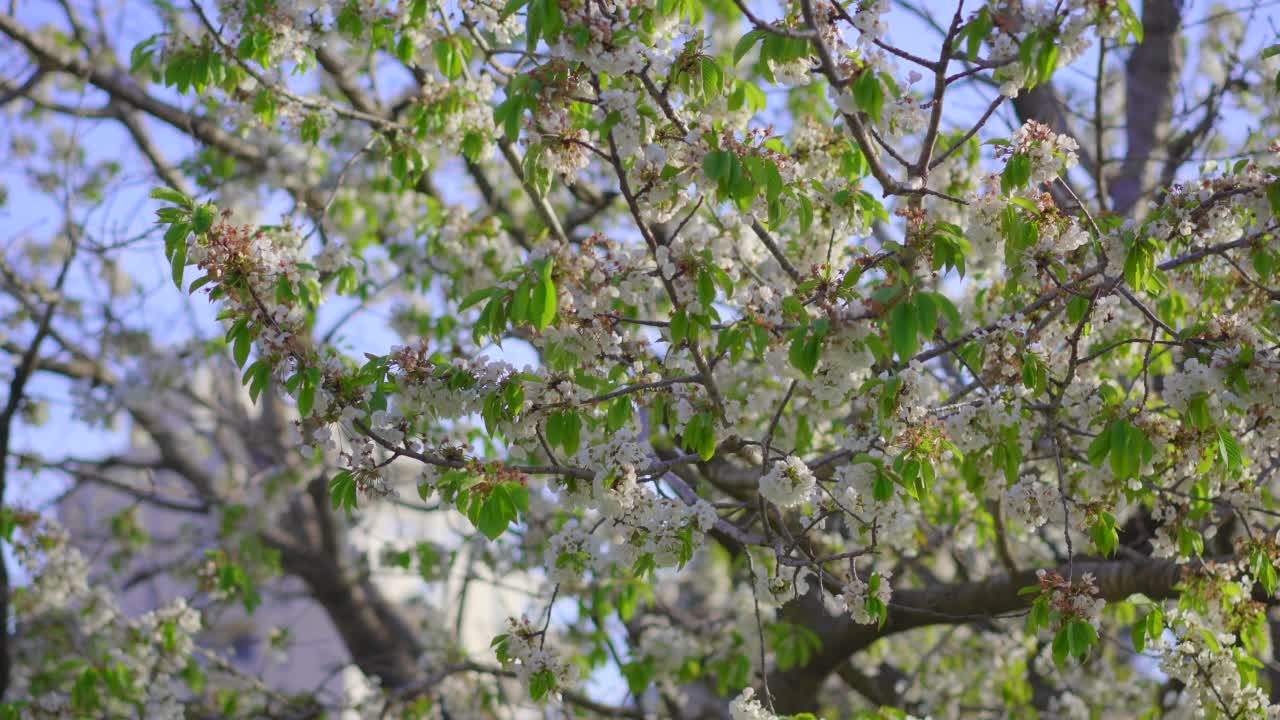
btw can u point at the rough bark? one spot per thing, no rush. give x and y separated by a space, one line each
952 603
1151 81
380 642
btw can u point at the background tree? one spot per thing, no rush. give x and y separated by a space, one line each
815 357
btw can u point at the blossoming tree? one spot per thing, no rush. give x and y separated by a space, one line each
817 357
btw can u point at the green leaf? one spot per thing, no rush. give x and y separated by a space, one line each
508 115
706 288
745 44
170 195
853 164
1099 448
553 22
1017 171
1061 647
1025 204
805 214
1129 20
475 298
793 645
202 219
240 350
679 328
1229 451
1011 453
1198 411
718 164
926 315
1190 542
140 56
973 480
1046 61
533 23
564 428
949 311
256 377
712 77
1104 535
875 607
511 7
1138 634
1120 450
639 674
889 396
178 263
977 31
306 398
84 693
619 413
342 490
450 58
1080 638
700 436
177 233
519 496
472 146
903 331
1263 570
500 508
882 487
868 93
542 682
806 347
1039 615
722 279
542 309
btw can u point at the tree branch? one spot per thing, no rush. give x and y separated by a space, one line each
1151 80
116 83
948 604
17 388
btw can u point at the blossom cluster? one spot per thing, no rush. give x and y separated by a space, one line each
788 483
145 654
856 593
525 648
